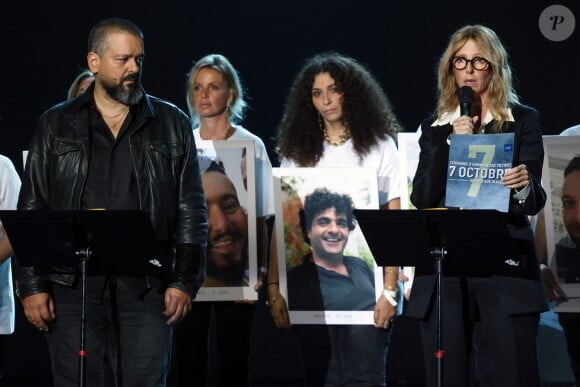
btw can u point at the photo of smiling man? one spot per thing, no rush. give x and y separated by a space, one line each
227 261
232 266
327 279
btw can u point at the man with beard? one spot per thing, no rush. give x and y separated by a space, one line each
568 260
228 230
116 148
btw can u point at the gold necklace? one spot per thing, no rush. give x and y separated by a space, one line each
114 126
342 138
123 112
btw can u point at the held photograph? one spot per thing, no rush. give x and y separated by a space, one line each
562 259
228 174
330 274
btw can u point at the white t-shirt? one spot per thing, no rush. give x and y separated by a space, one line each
9 189
383 157
263 166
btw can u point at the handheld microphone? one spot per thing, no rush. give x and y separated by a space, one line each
465 99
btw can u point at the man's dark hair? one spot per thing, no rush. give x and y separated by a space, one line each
216 166
573 165
320 200
98 36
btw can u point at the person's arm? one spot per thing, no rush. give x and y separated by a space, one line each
386 306
37 303
262 247
34 196
262 239
431 175
191 233
265 208
276 302
524 179
553 290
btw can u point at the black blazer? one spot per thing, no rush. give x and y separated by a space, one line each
520 294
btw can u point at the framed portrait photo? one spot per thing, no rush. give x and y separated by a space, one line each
327 271
227 170
558 151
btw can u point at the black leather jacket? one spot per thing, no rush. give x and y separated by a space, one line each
166 167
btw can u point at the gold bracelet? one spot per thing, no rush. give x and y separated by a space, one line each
273 283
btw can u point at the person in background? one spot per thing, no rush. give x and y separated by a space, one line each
118 148
81 83
216 103
337 115
552 288
567 255
476 309
9 189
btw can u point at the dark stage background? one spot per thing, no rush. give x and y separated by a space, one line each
44 47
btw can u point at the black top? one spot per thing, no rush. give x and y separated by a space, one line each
111 182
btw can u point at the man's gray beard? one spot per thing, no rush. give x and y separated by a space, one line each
130 96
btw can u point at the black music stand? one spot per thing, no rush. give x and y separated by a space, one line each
119 241
415 237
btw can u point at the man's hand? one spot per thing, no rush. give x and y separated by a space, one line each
177 304
39 310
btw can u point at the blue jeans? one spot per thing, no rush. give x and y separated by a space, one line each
127 336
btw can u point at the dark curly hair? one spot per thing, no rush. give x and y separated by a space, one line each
319 201
366 110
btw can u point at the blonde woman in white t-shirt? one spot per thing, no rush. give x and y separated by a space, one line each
216 104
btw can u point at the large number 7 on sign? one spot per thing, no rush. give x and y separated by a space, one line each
488 153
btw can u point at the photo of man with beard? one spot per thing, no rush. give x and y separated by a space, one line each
227 256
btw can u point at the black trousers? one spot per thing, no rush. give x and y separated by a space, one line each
343 355
483 345
571 326
127 337
233 323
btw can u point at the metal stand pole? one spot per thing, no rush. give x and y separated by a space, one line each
439 254
84 256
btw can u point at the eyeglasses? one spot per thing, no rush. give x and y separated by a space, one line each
478 63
